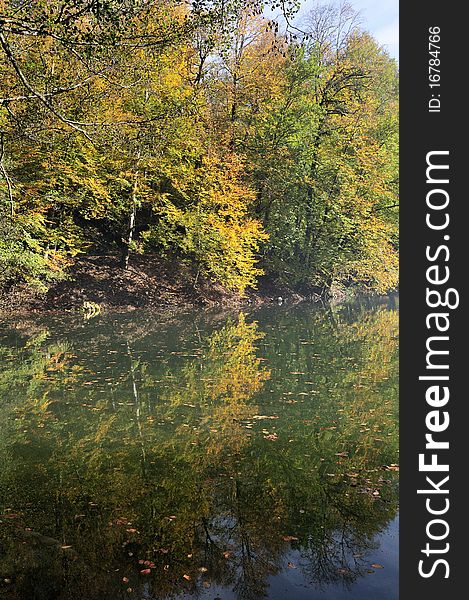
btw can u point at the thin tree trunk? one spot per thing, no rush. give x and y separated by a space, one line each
5 175
131 229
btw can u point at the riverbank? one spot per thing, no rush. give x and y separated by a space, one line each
148 282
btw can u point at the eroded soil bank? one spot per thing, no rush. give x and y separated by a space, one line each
148 282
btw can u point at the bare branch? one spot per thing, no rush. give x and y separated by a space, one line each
5 174
73 124
53 93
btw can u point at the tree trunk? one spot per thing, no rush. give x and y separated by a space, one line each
5 175
131 229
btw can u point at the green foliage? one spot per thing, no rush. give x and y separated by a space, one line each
201 133
22 258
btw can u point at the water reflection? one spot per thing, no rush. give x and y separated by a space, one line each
147 459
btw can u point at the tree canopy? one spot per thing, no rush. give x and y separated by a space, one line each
201 131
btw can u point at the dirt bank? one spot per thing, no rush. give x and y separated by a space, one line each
148 282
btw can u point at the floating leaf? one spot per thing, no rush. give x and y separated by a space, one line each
259 417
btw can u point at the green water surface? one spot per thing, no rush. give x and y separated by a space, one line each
204 455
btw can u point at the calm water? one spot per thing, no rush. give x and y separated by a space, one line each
207 456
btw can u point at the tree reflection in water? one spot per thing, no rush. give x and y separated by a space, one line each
146 460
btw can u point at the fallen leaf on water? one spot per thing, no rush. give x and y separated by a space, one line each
145 572
377 566
227 554
125 579
187 577
258 417
291 565
148 563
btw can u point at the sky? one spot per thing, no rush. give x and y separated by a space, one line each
379 17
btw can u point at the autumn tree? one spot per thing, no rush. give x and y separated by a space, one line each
318 125
199 132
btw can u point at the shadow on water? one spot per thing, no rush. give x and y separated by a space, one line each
209 456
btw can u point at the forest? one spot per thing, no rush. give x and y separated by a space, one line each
204 134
